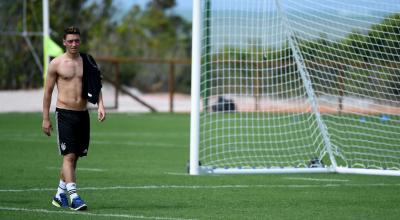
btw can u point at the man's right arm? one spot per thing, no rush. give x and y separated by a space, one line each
48 91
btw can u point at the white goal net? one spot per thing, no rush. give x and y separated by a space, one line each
296 86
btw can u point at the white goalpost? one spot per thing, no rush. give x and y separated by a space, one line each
295 86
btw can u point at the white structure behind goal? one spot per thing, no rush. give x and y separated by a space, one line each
286 86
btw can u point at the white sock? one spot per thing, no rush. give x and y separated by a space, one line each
71 188
62 188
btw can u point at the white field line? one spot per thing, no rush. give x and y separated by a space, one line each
142 134
79 169
137 144
88 214
176 174
316 180
168 187
184 174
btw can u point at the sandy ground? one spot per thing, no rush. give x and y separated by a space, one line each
31 101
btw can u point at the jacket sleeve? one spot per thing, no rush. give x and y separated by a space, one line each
91 81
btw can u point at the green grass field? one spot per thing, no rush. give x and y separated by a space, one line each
136 169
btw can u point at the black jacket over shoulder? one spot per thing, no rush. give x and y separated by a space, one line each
91 80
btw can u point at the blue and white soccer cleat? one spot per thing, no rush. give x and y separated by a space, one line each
78 204
61 202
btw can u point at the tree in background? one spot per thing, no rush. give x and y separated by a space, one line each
17 67
149 32
155 32
94 18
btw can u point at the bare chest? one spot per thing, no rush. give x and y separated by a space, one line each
70 70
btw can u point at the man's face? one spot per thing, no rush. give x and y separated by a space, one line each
72 42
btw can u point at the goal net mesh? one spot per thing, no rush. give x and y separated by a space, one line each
285 82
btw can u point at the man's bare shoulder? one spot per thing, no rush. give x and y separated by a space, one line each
56 61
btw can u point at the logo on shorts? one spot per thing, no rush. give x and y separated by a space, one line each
63 146
85 151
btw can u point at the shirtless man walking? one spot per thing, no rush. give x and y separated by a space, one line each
72 117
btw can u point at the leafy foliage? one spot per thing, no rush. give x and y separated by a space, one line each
366 60
148 32
154 32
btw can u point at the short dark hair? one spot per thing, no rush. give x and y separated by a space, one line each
71 30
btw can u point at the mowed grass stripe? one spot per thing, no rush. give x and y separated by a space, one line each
46 211
190 187
166 135
140 152
99 142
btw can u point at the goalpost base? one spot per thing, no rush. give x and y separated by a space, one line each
208 170
345 170
342 170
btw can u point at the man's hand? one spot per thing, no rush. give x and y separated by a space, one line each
101 113
46 127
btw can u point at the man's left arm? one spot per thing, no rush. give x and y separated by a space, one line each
101 112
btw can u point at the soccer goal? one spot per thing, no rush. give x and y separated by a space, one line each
289 86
